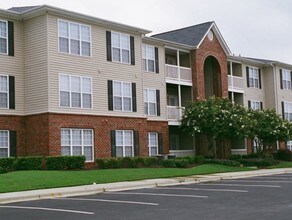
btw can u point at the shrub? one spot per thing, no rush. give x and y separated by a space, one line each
6 164
28 163
253 155
235 157
75 162
169 163
128 162
199 159
113 163
139 161
65 162
258 162
182 163
151 161
223 162
284 154
100 163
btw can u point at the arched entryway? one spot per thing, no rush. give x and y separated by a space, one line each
212 73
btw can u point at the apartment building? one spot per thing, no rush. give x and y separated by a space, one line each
72 84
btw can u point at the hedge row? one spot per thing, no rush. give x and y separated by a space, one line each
37 163
232 163
284 154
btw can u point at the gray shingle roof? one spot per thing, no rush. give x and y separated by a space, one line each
191 36
22 9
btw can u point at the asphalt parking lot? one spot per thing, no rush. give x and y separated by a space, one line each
265 197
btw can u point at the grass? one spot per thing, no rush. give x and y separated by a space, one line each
282 164
29 180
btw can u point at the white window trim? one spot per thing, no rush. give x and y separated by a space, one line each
8 142
120 48
289 145
146 58
251 72
147 91
70 102
152 146
286 107
123 145
7 92
82 141
284 81
253 103
122 96
6 37
69 42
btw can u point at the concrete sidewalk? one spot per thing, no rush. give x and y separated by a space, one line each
120 186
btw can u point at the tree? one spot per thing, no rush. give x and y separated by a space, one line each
217 118
265 127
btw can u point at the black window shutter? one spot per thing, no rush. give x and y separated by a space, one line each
261 103
11 92
160 143
132 48
113 143
158 102
136 143
156 60
134 98
12 142
247 76
110 95
283 110
108 46
249 104
281 79
260 79
10 38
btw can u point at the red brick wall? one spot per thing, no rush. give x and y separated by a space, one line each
15 123
206 49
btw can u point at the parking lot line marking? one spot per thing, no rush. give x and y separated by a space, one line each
158 194
227 184
198 189
261 181
271 177
47 209
108 200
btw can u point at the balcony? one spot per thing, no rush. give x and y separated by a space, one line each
178 75
235 84
175 113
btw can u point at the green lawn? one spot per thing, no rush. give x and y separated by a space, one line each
28 180
282 164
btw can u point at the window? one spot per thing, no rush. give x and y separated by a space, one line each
172 100
122 92
120 47
4 144
74 38
289 145
286 79
4 91
124 143
75 91
148 55
287 111
255 105
254 77
3 37
75 142
174 142
153 143
150 106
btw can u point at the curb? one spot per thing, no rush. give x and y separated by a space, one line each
121 186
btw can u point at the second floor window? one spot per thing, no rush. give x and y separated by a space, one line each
74 38
254 79
75 91
287 110
3 37
285 76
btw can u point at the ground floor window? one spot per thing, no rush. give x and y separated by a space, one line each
75 142
174 142
124 143
4 144
289 145
153 143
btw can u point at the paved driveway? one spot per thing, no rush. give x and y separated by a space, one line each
266 197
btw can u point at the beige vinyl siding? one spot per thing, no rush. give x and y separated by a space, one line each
36 77
269 87
253 93
96 67
157 81
13 65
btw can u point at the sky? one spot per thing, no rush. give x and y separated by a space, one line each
251 28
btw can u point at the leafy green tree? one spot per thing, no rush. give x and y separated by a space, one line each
217 118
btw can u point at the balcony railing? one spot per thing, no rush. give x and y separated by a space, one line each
178 73
235 83
175 113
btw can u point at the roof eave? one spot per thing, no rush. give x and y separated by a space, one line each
10 14
170 43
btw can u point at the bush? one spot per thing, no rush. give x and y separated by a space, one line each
284 154
6 164
253 155
169 163
28 163
182 163
151 161
235 157
232 163
65 162
199 159
128 162
258 162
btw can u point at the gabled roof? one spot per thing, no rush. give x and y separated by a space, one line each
22 9
194 35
